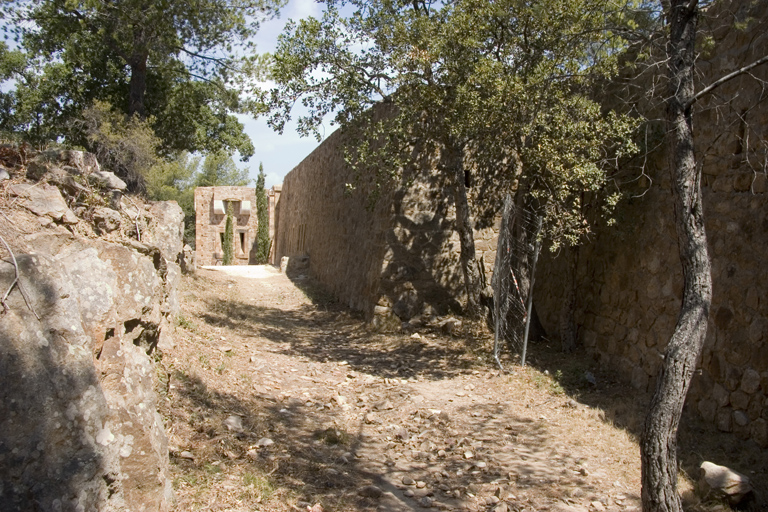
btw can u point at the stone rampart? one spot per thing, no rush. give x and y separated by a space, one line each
344 239
629 279
403 254
400 252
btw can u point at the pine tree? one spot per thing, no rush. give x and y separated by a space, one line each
228 236
262 209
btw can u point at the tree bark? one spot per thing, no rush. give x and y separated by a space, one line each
469 264
138 85
659 439
568 333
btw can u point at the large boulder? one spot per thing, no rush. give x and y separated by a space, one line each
722 482
79 428
166 229
57 442
43 200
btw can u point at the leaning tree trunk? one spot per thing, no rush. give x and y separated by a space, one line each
469 265
659 439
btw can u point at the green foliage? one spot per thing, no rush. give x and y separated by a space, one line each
262 208
123 144
229 235
173 179
505 86
25 109
219 170
178 63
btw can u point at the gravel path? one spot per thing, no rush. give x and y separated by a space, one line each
275 402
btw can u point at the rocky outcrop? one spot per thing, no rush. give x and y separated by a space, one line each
95 279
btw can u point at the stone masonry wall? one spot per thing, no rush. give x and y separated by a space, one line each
400 253
403 255
629 281
273 197
209 226
343 238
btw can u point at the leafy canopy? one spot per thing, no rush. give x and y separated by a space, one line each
178 63
219 170
510 83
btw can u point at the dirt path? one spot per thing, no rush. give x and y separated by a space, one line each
277 403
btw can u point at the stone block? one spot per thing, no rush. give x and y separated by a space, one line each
723 184
742 182
639 378
740 418
755 407
722 482
733 377
723 420
750 381
759 432
720 395
757 330
707 409
739 400
760 183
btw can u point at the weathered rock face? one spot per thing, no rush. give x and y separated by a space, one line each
722 482
78 423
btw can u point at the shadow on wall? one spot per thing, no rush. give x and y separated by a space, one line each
417 243
52 411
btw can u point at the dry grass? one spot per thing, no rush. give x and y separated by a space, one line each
346 407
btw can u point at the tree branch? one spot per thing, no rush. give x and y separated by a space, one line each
15 282
720 81
217 60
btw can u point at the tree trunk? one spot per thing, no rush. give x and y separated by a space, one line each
659 439
568 333
138 85
469 264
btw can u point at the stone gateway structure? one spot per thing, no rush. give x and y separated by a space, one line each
211 207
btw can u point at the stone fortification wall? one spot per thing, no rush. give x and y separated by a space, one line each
273 197
404 257
400 253
629 282
210 224
343 238
95 297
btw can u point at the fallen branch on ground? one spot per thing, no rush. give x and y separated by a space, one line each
16 282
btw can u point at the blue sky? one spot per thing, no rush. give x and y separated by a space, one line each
279 153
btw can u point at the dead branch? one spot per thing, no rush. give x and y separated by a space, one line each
136 220
720 81
16 282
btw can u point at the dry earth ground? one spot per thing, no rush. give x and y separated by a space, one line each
276 400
